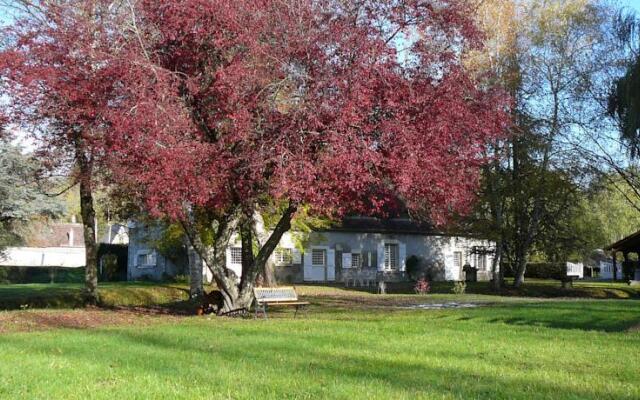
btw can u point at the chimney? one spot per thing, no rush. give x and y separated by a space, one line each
73 219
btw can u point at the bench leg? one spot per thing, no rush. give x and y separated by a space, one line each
260 308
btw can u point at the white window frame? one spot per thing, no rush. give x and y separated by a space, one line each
356 254
231 255
324 256
389 267
281 259
481 262
148 254
458 256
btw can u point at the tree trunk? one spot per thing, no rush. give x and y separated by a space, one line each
269 274
196 289
261 259
91 249
261 235
521 266
495 268
237 292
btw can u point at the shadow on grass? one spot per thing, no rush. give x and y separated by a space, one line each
112 295
605 316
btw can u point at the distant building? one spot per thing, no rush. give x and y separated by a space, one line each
145 260
54 245
358 251
116 234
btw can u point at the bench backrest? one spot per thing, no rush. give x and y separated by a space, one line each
275 294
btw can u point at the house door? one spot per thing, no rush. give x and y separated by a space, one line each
319 265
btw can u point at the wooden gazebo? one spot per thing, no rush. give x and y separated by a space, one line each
627 245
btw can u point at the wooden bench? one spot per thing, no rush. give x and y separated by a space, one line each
281 296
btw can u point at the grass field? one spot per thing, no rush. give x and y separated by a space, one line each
350 345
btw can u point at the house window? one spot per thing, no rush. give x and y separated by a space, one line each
236 255
318 257
145 260
284 256
390 256
457 260
482 262
355 260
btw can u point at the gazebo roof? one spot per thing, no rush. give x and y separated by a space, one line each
630 243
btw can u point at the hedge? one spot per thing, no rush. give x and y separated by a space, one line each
543 270
14 275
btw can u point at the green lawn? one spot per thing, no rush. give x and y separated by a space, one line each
69 295
351 345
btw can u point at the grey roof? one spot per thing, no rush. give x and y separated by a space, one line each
58 235
379 225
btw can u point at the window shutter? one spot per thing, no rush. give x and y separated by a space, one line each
380 256
307 263
331 265
402 254
228 257
346 260
296 256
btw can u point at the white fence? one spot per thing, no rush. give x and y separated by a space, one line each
575 269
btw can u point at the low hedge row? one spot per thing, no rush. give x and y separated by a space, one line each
543 270
17 275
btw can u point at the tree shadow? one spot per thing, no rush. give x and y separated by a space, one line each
604 316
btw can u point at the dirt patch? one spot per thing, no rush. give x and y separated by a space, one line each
87 318
389 302
634 329
440 306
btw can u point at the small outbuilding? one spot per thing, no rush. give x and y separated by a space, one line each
626 246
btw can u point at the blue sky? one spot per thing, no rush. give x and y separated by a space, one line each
632 3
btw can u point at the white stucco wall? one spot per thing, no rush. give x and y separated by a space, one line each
64 257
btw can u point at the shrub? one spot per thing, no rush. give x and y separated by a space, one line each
547 270
413 266
422 286
460 287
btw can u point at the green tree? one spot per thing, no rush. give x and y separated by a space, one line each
554 58
21 198
624 100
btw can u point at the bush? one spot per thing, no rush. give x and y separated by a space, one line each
20 275
548 270
459 287
413 266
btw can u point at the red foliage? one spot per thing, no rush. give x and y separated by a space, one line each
344 106
53 67
422 286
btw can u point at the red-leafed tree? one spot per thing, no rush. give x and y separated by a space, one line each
342 107
55 84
